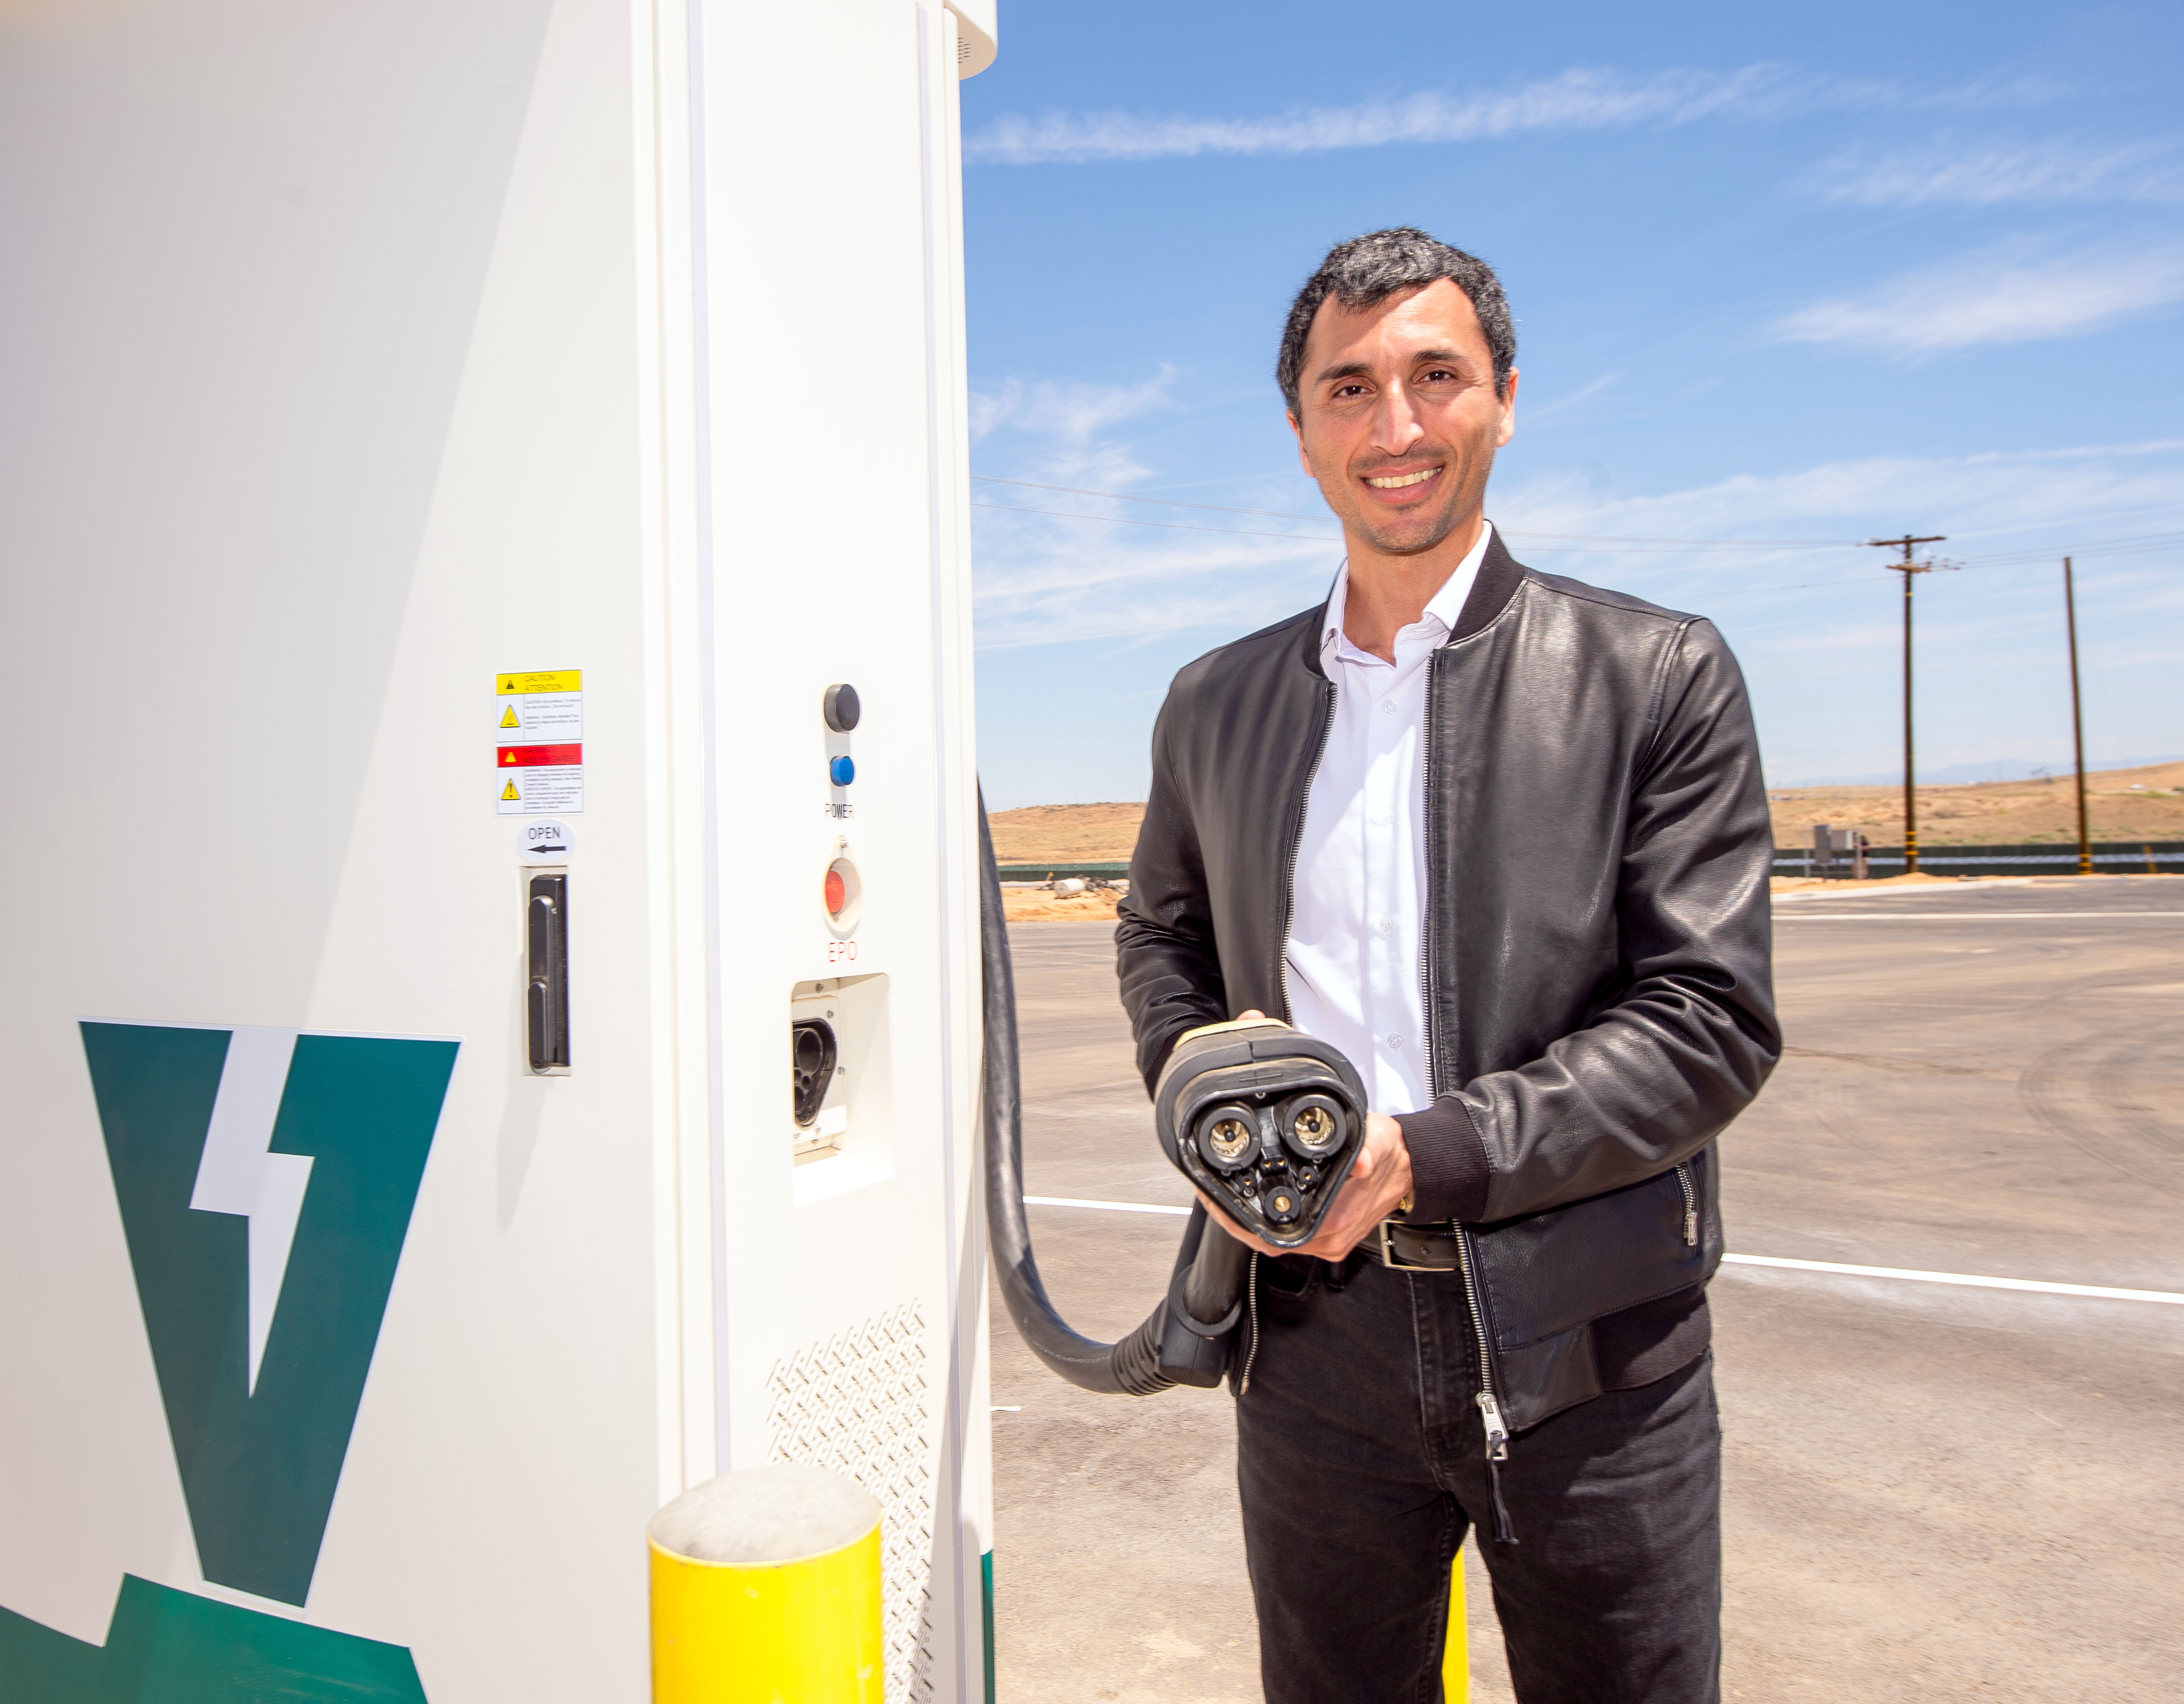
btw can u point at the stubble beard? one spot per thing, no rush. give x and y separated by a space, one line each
1468 466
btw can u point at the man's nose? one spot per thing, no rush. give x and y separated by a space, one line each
1395 423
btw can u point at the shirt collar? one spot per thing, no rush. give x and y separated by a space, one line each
1445 606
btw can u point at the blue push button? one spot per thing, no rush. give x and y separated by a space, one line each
842 770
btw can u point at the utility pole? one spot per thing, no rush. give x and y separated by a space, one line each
2077 720
1907 567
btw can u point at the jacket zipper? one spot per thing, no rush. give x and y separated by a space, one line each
1296 846
1690 1204
1490 1405
1495 1426
1251 1352
1282 972
1489 1402
1425 923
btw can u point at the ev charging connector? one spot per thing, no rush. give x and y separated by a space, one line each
1265 1120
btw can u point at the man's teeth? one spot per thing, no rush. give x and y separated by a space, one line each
1396 480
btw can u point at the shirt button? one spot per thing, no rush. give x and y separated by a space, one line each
1382 818
1386 925
1388 707
1394 1042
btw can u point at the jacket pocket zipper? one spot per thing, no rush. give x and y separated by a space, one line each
1489 1402
1690 1204
1488 1399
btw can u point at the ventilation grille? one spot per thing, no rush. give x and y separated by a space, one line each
859 1404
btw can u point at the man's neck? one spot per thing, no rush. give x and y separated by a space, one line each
1387 593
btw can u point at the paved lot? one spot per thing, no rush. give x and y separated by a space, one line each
1933 1492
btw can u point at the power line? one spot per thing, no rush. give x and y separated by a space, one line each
1124 497
1173 526
2133 544
2136 544
1285 515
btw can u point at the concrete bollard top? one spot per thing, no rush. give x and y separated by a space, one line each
760 1517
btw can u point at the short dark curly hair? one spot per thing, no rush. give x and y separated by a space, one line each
1366 271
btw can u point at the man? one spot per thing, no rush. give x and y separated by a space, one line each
1503 838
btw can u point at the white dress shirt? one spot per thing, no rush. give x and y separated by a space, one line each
1356 937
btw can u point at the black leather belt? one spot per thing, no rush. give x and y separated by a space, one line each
1419 1247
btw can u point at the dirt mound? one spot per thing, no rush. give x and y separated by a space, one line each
2142 804
1037 905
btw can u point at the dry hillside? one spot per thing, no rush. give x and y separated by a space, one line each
1067 834
2126 805
2123 805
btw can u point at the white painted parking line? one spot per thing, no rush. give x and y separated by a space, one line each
2107 1293
2104 1292
1103 1206
1949 916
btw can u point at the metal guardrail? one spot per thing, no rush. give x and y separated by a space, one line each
2037 857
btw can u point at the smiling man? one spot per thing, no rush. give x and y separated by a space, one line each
1503 838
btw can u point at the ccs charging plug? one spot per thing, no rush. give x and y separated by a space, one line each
1266 1120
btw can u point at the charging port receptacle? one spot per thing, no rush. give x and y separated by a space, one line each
812 1054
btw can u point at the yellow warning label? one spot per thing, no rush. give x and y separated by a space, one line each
509 720
540 680
510 792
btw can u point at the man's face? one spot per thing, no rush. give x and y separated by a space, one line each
1397 418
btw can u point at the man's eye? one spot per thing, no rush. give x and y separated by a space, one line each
1440 373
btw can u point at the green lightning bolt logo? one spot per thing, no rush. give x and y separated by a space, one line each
265 1180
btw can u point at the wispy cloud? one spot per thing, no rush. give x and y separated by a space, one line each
2006 294
1986 501
1580 99
2145 171
1069 410
1042 579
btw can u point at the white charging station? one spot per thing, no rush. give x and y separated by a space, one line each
453 448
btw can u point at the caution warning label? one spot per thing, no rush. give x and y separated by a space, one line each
546 705
538 753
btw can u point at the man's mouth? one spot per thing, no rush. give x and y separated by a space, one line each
1396 481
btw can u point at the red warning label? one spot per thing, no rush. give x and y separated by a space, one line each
533 756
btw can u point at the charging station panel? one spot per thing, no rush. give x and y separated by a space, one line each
419 1188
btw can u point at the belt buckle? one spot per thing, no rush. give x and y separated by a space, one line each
1388 1254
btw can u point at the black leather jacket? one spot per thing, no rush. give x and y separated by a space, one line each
1598 1000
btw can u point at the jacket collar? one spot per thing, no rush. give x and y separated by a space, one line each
1499 576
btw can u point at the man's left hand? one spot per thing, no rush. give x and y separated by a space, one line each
1377 1184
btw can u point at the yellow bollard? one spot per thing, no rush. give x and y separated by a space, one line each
1456 1653
766 1589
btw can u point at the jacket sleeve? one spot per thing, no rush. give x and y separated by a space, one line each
1689 1037
1164 950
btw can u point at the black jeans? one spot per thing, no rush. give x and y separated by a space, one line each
1361 1461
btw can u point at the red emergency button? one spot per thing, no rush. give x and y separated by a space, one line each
838 893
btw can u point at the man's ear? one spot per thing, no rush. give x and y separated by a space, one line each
1508 413
1303 459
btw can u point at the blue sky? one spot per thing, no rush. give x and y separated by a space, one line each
1780 275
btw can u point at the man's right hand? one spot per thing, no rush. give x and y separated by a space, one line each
1379 1181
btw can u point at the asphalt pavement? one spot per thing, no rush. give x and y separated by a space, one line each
1933 1491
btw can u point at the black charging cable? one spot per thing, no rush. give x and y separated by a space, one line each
1134 1367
